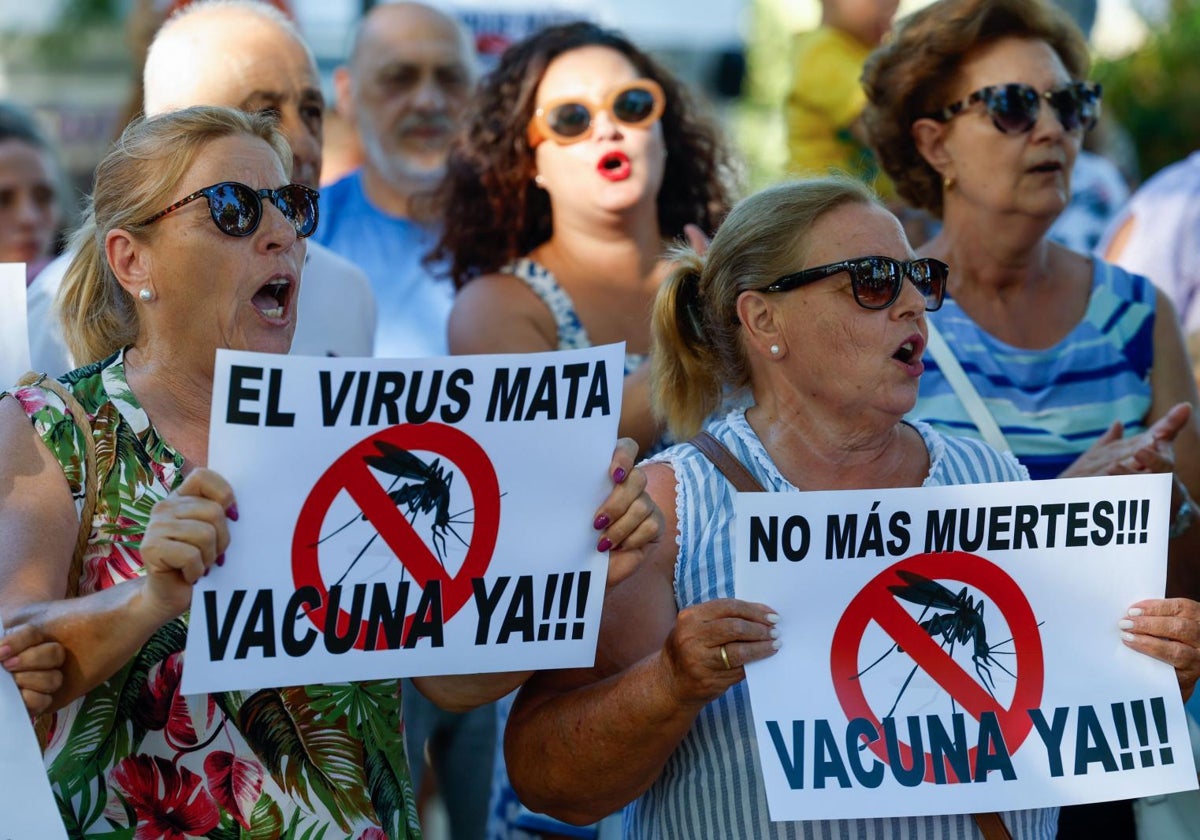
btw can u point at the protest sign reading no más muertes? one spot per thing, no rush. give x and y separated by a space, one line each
956 649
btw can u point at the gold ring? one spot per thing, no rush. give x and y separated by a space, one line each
725 658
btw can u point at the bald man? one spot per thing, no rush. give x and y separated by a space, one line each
405 88
242 54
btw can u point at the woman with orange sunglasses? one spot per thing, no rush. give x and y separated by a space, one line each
580 161
561 197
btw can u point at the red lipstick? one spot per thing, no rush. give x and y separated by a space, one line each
614 166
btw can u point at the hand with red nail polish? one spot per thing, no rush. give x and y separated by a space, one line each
628 520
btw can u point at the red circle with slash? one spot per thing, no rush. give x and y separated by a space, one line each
876 602
351 474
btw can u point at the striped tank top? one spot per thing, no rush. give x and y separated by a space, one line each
1052 404
571 333
711 787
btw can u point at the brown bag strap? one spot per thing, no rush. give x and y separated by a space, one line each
726 462
990 824
91 481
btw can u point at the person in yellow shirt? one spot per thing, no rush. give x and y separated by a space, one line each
825 103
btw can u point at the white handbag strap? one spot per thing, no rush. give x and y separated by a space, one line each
964 390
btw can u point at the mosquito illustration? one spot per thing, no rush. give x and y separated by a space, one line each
962 624
427 492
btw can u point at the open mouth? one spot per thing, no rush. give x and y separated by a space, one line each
909 353
905 353
614 166
272 299
1047 167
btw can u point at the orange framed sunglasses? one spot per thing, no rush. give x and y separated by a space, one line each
635 104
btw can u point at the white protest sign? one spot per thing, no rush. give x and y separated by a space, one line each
956 649
481 474
14 331
26 801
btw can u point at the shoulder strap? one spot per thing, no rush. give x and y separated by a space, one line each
726 462
91 481
964 390
990 824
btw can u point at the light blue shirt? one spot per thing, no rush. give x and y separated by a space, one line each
413 302
711 785
1052 404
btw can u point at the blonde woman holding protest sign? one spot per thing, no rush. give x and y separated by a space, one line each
810 298
194 242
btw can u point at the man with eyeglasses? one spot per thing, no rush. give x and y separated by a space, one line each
242 54
407 81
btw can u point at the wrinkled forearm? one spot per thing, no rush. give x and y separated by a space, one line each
587 752
99 632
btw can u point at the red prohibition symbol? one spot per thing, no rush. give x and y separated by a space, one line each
351 474
876 602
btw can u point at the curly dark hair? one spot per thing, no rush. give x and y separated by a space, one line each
492 213
911 76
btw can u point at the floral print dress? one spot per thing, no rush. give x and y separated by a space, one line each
136 759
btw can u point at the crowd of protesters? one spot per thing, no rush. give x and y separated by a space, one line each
897 316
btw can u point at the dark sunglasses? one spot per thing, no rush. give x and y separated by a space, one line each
236 209
877 281
636 104
1014 108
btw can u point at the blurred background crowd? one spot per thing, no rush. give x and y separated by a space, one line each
76 63
776 74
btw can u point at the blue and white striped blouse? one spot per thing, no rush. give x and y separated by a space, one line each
711 786
1052 404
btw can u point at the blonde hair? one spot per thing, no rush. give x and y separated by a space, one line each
698 353
138 178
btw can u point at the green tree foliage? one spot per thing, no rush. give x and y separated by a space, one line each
1155 92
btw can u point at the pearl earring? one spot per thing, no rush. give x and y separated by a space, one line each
146 295
540 181
774 349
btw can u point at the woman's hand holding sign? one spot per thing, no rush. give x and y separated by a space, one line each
628 522
710 644
187 534
628 519
1167 629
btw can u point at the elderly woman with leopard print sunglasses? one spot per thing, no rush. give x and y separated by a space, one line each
977 110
